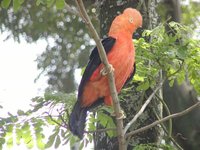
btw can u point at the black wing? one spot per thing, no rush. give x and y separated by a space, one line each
94 62
132 74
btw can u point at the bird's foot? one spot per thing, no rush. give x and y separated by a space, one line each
104 71
121 115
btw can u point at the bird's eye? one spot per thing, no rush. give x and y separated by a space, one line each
131 20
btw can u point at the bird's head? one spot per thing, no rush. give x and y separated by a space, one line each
127 22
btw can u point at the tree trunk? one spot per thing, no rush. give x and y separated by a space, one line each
133 99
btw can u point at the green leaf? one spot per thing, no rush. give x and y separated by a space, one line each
20 112
180 77
81 146
18 136
38 133
107 122
60 4
9 128
172 24
63 133
16 5
58 141
143 86
50 3
27 136
67 138
171 82
147 32
30 143
5 3
39 141
2 141
72 141
11 115
38 2
9 142
21 2
102 118
2 123
138 78
25 126
111 124
51 140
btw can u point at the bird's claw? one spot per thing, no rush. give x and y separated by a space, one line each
122 115
104 71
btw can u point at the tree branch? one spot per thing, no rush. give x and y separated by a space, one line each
71 10
142 108
55 121
104 60
163 120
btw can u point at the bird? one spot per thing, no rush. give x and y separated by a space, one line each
94 89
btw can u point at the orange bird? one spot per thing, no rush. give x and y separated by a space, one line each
94 87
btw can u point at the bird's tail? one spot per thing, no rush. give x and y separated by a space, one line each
77 120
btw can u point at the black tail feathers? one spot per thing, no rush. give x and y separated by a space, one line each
77 120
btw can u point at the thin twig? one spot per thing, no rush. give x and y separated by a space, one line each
142 108
63 120
55 121
169 136
104 60
72 10
168 113
163 120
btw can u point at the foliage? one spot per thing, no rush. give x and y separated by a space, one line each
191 14
29 126
153 147
50 111
17 4
106 121
63 53
175 54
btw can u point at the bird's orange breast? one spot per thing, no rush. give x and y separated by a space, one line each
122 59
